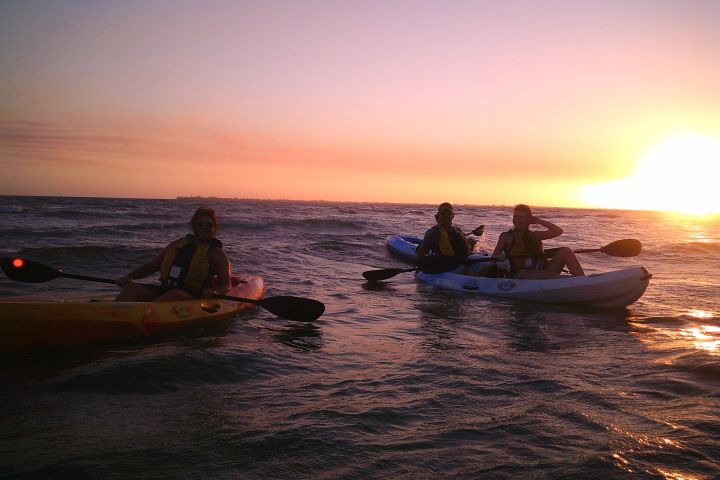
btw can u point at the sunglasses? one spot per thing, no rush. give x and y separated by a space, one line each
204 224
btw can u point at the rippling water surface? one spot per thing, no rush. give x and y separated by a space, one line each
396 380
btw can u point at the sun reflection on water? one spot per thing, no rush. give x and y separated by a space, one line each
702 338
640 442
699 333
676 475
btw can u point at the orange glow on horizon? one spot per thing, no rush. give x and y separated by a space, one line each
475 102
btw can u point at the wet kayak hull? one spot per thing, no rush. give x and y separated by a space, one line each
614 289
28 326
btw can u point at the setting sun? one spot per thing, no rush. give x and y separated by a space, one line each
678 174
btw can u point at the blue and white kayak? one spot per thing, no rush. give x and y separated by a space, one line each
615 289
405 247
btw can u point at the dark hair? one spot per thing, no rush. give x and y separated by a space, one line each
445 206
204 212
521 207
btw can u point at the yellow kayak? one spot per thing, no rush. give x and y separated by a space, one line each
28 326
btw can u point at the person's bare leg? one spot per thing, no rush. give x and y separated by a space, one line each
132 292
174 294
565 257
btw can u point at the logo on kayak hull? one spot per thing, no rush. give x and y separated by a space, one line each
505 286
182 311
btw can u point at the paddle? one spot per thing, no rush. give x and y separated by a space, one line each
439 263
293 308
385 273
430 264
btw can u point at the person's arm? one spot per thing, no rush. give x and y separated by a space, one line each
551 232
427 244
465 238
220 264
147 268
502 244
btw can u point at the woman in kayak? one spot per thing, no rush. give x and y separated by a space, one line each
523 247
191 267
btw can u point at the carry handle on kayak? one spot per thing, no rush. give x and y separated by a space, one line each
627 247
293 308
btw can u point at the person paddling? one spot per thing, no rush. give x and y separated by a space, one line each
445 238
191 267
523 247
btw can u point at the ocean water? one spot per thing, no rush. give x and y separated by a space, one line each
396 380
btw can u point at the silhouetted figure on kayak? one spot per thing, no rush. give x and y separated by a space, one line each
523 247
445 238
190 267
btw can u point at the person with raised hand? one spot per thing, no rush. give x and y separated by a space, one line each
523 248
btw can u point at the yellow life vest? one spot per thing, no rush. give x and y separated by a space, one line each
447 242
527 250
186 265
445 245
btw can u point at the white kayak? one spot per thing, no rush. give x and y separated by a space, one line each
615 289
403 246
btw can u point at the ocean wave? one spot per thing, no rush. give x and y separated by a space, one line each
91 256
299 223
690 251
699 363
323 223
96 214
336 246
243 224
55 231
136 227
11 209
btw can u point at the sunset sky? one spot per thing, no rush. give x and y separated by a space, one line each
475 102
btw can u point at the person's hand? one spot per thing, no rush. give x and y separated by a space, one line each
122 281
208 293
500 257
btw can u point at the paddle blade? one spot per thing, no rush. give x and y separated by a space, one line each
479 231
438 264
22 270
298 309
384 274
627 247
